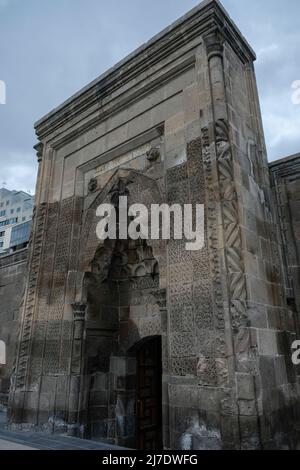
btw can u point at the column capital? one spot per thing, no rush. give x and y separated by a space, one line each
214 41
39 147
79 310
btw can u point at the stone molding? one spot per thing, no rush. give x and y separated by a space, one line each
208 16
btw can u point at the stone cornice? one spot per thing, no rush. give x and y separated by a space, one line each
39 147
285 168
208 16
108 107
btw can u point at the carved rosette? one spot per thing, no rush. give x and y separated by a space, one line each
92 185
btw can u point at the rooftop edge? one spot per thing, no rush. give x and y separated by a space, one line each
166 31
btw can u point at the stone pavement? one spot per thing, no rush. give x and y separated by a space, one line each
11 440
7 445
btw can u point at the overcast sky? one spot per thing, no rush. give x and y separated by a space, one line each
49 49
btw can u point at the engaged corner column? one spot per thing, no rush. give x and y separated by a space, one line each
77 369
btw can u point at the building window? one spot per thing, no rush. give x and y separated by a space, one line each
12 211
2 234
2 204
1 244
20 234
2 213
2 353
18 209
7 203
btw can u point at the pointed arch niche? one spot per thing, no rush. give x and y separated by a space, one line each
123 289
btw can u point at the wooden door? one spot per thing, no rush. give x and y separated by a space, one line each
149 393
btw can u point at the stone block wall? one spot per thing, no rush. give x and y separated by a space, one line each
285 181
272 320
12 280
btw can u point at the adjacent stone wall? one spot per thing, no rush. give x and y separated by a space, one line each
285 181
268 393
12 278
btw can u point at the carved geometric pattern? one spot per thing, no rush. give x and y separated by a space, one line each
52 348
207 371
182 318
75 241
36 246
36 353
201 266
181 273
66 347
57 295
212 232
145 282
182 366
182 345
177 252
233 240
202 307
196 172
180 292
178 194
177 174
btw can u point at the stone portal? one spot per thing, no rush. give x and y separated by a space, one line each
176 122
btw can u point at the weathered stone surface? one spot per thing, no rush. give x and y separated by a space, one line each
12 280
121 335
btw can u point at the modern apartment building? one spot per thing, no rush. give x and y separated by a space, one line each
15 219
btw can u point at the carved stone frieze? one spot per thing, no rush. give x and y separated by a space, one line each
232 233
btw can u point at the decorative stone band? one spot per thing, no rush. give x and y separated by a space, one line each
36 246
233 240
79 311
225 169
39 147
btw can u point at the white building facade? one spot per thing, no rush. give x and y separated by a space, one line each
16 209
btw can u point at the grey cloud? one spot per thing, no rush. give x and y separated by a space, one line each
49 49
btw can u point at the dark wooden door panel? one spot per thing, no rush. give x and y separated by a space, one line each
149 384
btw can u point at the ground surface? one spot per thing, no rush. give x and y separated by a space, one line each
11 440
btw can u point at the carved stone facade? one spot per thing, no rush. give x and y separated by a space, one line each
12 279
176 122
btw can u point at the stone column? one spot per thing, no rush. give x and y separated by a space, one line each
216 141
77 369
161 298
229 199
17 395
